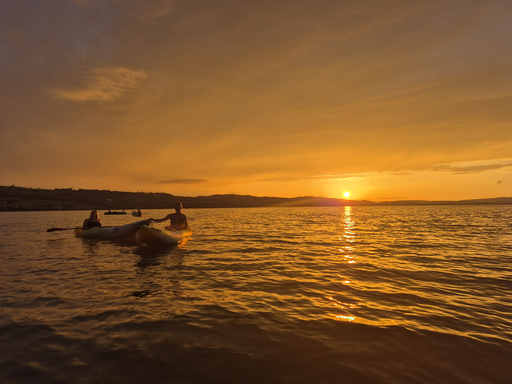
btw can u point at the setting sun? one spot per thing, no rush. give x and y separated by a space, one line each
346 194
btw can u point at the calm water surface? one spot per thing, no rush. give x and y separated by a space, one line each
288 295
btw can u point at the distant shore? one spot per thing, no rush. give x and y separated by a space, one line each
14 198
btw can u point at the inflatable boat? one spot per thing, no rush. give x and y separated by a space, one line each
111 232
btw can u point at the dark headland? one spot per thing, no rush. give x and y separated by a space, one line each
14 198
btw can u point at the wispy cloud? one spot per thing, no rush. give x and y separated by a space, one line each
100 84
461 169
182 181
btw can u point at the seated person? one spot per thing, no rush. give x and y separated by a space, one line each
178 219
93 221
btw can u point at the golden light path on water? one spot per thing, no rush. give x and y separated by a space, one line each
348 251
348 239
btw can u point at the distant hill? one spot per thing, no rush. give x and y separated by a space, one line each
491 201
34 199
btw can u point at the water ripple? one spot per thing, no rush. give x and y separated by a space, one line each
353 294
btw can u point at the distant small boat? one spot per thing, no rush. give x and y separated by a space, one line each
135 213
114 213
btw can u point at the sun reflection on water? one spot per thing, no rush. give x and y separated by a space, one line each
345 307
348 236
347 239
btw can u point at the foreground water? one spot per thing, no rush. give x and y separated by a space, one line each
289 295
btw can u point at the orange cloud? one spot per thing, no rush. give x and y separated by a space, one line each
100 84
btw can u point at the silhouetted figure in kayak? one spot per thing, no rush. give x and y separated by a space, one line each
93 221
178 219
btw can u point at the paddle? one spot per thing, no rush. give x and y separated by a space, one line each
58 229
65 229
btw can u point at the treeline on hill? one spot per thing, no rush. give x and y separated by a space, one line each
34 199
19 198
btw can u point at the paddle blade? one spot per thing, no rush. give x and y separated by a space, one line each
57 229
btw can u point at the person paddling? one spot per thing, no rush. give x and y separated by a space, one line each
178 219
93 221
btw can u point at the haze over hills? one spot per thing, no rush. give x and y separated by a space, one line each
14 198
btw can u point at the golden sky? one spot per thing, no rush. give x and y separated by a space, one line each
387 99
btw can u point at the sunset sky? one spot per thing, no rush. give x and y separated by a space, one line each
388 100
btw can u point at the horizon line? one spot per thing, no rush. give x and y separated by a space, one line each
261 197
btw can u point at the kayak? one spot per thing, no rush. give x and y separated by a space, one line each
135 213
147 234
114 213
110 232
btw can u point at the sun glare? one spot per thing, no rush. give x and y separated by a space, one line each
346 194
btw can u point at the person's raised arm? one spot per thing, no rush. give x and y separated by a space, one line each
160 220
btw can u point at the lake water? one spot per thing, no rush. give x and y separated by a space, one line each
290 295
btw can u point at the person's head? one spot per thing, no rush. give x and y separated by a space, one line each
94 216
178 207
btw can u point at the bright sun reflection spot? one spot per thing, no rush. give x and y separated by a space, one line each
344 281
344 307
